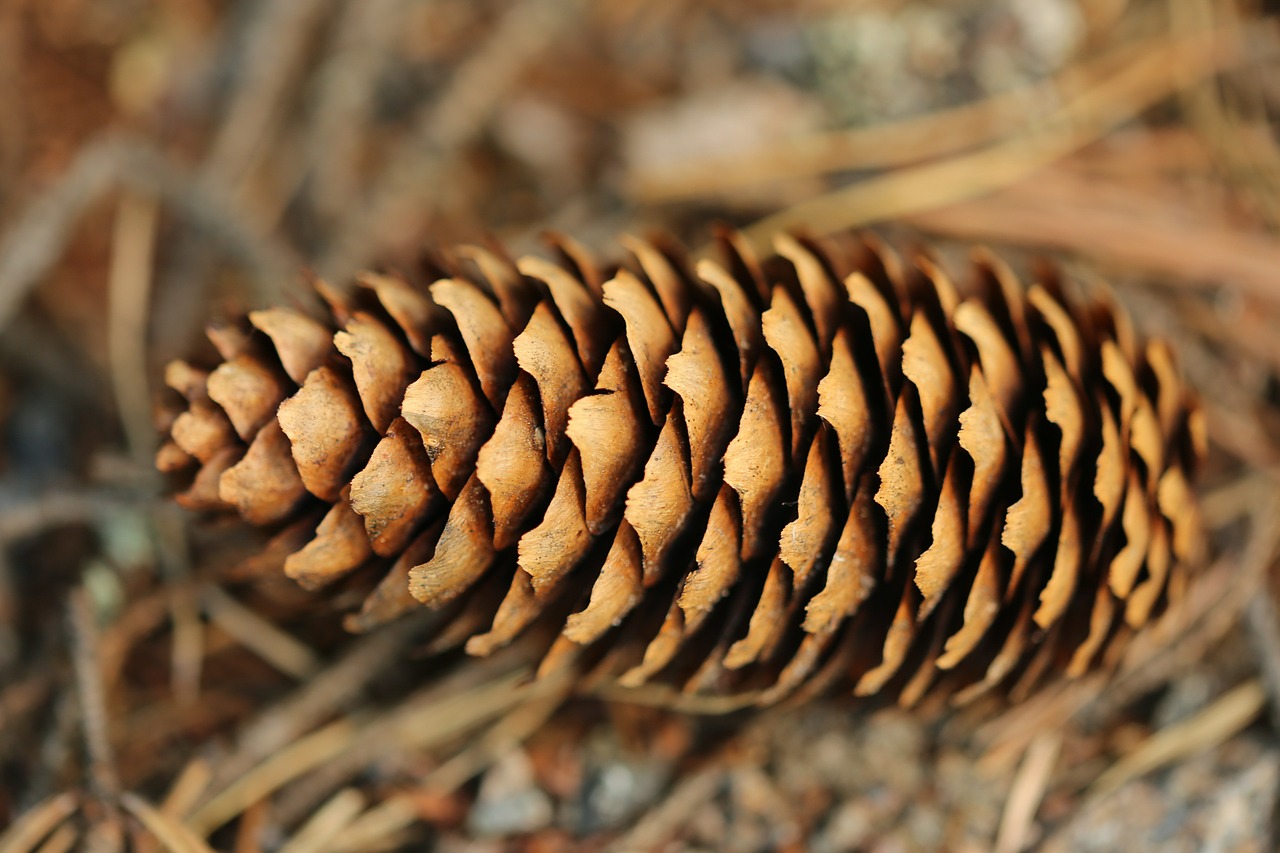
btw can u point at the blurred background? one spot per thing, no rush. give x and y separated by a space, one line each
163 162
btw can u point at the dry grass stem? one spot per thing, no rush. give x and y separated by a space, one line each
129 283
1227 715
665 819
94 718
287 764
1138 86
525 31
1263 626
1122 226
33 827
176 836
888 145
274 645
1028 790
323 828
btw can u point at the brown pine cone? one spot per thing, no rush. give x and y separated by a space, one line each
825 467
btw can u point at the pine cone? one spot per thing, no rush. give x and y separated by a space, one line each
824 467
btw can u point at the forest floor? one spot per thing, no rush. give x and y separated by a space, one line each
163 162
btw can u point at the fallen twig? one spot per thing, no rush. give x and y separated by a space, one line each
1027 792
27 831
1138 86
1218 722
103 777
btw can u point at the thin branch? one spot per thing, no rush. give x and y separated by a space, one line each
525 32
274 645
129 286
1227 716
341 684
1027 791
1137 87
267 67
1263 628
103 777
36 242
30 829
58 508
